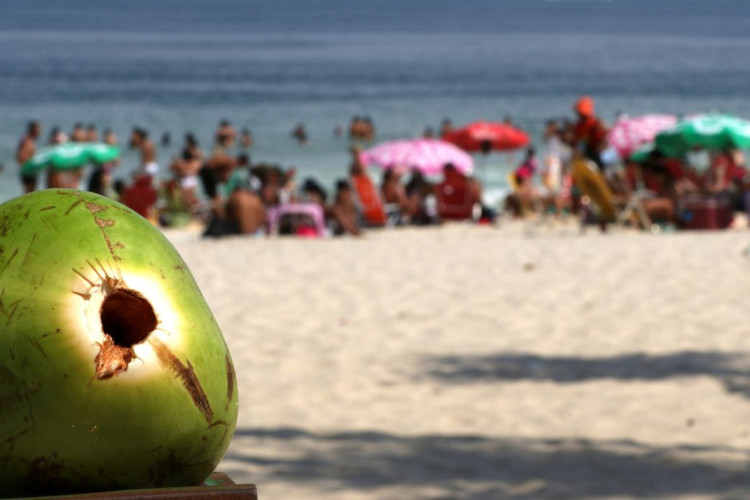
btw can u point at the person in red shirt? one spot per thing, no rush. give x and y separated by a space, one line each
589 132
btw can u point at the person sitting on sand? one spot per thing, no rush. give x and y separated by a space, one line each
720 178
344 199
236 209
456 195
394 194
337 215
418 190
525 197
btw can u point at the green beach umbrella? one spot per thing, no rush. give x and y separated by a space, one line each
69 156
100 152
713 131
642 153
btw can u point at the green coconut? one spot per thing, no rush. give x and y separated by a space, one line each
113 371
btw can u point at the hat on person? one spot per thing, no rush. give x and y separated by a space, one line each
585 106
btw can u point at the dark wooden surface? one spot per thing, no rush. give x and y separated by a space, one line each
217 487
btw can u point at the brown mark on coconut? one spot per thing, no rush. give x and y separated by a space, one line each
217 423
48 207
35 343
4 226
11 440
10 259
10 310
46 475
230 381
101 223
186 374
28 251
75 204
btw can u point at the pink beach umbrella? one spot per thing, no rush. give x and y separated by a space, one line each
629 134
426 155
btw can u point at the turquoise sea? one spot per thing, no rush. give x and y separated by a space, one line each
183 65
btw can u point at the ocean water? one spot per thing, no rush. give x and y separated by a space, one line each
182 65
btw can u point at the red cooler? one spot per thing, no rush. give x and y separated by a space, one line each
707 213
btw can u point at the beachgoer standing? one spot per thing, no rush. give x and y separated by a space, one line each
300 134
225 138
246 139
139 140
110 137
446 127
186 169
589 132
91 134
78 134
553 154
26 149
57 136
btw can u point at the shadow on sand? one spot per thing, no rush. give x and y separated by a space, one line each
487 467
733 370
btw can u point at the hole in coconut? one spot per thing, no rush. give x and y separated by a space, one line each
127 317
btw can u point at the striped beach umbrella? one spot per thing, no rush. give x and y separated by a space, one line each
717 132
630 134
429 156
69 156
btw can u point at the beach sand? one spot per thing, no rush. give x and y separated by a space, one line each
521 361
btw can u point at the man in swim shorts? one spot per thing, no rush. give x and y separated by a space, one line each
26 149
139 140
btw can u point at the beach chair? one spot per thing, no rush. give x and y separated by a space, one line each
595 190
455 200
369 201
306 219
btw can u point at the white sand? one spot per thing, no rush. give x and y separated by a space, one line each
471 362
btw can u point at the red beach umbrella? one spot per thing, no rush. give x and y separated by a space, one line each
485 136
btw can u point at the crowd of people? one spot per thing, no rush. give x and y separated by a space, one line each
667 186
231 195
